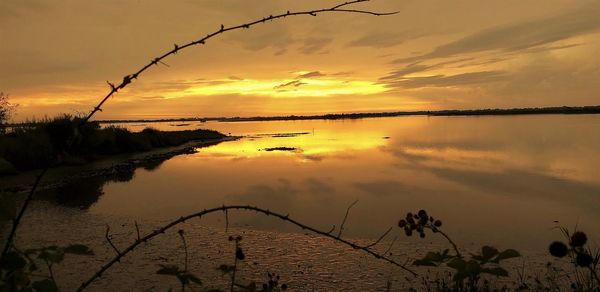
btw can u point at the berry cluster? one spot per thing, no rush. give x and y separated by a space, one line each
576 247
419 222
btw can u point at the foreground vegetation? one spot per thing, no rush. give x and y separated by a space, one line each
451 269
64 140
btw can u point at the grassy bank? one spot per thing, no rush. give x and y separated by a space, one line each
62 141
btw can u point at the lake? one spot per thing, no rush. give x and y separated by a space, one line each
500 180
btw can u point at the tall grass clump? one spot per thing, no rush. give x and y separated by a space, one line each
65 140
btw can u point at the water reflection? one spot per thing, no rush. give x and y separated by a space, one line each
501 180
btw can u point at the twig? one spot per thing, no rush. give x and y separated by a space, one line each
203 213
137 229
235 261
226 221
379 239
346 217
332 229
17 220
107 236
185 263
391 245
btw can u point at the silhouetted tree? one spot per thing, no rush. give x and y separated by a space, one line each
6 109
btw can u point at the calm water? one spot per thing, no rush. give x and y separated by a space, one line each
492 180
501 180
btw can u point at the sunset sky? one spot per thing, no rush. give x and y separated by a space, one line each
56 56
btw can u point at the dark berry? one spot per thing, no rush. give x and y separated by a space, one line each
437 223
284 287
408 232
422 213
558 249
578 239
422 234
402 223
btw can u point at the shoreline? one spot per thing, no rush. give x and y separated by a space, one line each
566 110
114 165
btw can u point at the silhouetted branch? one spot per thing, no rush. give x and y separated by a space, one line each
346 217
17 220
203 213
131 77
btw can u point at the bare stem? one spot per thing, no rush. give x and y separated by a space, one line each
458 254
203 213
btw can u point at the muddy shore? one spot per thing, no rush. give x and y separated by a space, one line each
105 167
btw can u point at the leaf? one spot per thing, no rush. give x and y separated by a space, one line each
191 278
488 252
433 259
458 264
45 285
500 272
473 267
226 269
52 255
79 249
12 261
507 254
8 208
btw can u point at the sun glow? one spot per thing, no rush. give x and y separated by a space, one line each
282 88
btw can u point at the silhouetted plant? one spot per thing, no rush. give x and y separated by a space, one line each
6 110
582 256
467 272
19 269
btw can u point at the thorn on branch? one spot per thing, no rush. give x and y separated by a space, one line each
222 27
112 86
313 14
126 80
176 48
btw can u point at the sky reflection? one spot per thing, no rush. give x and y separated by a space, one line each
492 179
